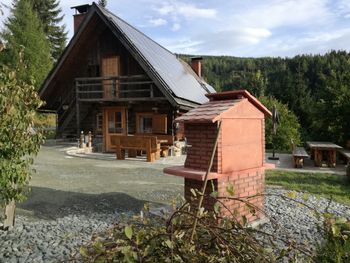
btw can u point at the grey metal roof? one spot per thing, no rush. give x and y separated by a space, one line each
178 77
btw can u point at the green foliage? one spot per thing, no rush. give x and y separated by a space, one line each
23 30
49 13
337 245
325 185
18 140
315 87
288 127
166 238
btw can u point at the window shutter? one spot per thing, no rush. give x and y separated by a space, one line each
159 123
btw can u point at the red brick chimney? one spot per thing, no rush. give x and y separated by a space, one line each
80 12
196 65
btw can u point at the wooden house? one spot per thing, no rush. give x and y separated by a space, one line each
114 80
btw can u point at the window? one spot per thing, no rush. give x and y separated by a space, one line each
151 123
115 124
145 124
99 122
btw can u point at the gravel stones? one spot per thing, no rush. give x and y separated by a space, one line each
50 241
291 220
60 239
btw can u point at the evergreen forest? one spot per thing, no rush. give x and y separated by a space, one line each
316 88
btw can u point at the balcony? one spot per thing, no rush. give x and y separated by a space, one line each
120 88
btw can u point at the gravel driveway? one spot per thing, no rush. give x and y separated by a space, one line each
66 185
74 197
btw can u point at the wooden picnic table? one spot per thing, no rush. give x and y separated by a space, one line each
345 154
299 154
324 150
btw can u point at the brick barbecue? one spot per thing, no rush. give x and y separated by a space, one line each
240 155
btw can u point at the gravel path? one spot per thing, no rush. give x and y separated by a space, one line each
57 240
297 222
50 241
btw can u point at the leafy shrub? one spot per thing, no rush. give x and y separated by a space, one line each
337 241
167 238
287 130
18 140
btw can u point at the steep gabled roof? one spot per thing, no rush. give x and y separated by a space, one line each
177 80
219 104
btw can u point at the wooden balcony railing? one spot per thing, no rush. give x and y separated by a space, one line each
121 88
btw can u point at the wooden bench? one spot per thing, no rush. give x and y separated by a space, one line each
299 154
166 141
148 144
346 154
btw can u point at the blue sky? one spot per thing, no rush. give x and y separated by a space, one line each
248 28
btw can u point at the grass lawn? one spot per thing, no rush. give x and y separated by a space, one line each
325 185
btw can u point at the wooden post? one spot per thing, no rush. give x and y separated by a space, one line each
77 106
318 156
81 140
10 209
332 157
114 88
206 181
90 140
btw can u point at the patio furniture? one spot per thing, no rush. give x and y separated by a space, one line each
148 144
299 154
166 141
345 154
324 150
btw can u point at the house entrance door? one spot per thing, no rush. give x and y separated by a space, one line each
110 68
114 124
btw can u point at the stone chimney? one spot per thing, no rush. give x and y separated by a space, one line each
80 12
196 65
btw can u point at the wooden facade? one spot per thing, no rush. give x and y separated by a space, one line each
100 85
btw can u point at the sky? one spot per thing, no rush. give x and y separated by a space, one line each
244 28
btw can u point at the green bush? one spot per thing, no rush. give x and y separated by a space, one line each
19 142
167 238
336 248
287 130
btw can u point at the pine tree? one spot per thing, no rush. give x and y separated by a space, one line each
50 16
24 34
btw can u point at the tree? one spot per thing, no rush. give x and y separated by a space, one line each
18 140
23 30
50 16
102 3
288 128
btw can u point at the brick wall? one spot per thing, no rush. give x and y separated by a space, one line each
245 183
180 132
201 137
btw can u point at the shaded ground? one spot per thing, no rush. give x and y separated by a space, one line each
285 163
78 183
64 184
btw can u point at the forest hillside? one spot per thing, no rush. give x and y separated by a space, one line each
315 87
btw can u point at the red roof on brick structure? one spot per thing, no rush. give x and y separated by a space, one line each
220 103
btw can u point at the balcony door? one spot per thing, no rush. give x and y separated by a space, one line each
110 68
114 124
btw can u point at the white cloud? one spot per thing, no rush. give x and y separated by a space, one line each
157 22
218 43
275 13
176 27
343 8
186 10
